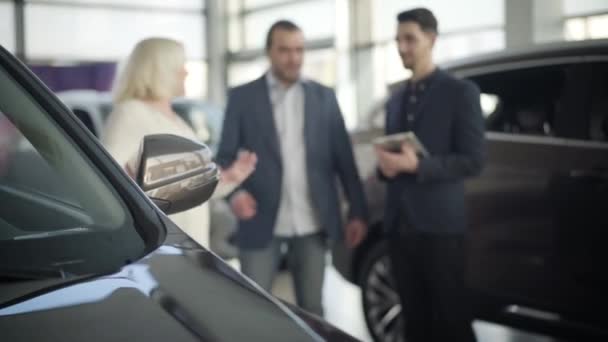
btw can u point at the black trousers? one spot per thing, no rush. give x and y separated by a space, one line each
429 273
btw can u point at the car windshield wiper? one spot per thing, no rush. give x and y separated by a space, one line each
28 274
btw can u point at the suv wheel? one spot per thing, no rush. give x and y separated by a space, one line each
381 304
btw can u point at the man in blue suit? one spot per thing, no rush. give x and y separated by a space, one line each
295 127
425 206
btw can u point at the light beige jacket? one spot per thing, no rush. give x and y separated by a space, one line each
125 129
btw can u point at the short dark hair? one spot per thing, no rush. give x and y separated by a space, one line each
280 25
422 16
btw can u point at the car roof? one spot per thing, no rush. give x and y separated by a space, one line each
597 47
517 57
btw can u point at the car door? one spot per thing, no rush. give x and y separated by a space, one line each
522 250
581 192
509 205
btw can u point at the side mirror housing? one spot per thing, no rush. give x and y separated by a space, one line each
176 173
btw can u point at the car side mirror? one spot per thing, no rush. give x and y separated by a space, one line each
176 173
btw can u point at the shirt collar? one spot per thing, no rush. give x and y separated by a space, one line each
274 83
423 84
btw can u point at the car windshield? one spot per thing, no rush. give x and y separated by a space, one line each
58 215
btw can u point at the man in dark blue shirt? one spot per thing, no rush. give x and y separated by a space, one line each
425 210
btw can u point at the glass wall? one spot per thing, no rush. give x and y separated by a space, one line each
319 65
249 21
7 25
72 32
83 33
316 18
354 53
584 7
462 33
461 16
359 69
585 19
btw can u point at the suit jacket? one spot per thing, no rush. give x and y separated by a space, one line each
249 124
450 124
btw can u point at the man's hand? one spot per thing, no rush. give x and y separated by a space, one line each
391 164
243 205
356 230
241 168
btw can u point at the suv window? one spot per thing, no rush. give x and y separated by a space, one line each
57 210
598 108
566 101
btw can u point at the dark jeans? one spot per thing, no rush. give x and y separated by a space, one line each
429 273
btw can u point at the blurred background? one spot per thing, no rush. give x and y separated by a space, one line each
78 44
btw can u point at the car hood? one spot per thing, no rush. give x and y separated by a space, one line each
180 292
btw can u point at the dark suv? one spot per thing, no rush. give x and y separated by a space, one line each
539 212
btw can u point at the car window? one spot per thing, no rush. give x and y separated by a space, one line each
566 101
598 108
56 206
374 118
24 169
42 183
521 101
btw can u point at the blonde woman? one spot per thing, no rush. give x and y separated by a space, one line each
153 75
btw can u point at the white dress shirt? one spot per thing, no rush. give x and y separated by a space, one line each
297 215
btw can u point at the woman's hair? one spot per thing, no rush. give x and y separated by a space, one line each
152 71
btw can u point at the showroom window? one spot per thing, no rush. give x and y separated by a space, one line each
451 18
585 19
76 32
101 33
240 72
7 25
462 33
248 23
591 27
250 20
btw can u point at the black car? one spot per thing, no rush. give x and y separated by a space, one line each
86 255
538 214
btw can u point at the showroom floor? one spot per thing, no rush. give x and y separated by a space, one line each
343 309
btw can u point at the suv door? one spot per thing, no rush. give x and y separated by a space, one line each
532 259
581 193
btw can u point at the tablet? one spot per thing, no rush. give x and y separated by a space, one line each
393 142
